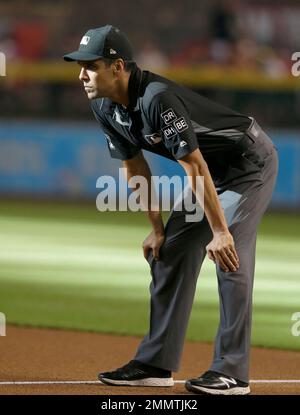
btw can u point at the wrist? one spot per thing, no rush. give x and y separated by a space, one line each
220 231
159 231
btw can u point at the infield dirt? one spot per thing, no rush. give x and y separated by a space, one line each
33 354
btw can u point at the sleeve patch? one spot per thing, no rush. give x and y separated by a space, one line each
181 125
169 132
168 116
153 138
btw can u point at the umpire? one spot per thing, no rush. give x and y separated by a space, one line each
139 110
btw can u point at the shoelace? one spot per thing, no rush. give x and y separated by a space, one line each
210 374
127 366
140 368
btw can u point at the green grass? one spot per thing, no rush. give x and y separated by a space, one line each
68 266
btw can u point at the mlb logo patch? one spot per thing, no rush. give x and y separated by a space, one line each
169 116
85 40
181 125
153 138
169 132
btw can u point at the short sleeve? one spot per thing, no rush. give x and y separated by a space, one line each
119 148
169 115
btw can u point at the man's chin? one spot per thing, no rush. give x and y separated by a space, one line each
92 94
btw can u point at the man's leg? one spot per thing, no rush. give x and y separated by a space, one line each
232 345
173 285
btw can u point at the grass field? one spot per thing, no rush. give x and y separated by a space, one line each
69 266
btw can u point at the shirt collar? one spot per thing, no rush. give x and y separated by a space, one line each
134 87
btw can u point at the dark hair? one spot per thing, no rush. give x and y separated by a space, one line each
128 65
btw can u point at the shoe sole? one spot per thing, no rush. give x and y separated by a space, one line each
158 382
207 391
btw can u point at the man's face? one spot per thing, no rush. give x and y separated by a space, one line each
97 78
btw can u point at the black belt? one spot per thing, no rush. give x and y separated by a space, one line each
251 135
256 145
253 130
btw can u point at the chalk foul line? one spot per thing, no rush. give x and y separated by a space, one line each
97 382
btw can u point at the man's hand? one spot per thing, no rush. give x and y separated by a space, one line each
221 250
153 241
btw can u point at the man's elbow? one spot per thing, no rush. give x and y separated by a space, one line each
134 162
194 164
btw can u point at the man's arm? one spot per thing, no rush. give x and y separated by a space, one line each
138 166
221 249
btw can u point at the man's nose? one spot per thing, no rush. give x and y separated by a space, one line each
83 75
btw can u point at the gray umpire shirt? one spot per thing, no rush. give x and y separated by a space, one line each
172 121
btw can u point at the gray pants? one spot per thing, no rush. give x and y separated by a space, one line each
174 275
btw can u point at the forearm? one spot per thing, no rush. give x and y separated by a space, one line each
156 221
148 195
212 207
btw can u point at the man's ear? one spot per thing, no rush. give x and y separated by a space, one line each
119 65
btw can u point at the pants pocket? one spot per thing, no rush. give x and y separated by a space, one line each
254 158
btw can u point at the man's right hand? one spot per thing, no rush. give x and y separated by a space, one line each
153 241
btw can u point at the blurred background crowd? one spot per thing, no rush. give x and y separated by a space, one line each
230 37
251 34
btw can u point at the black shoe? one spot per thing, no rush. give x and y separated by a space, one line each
213 383
136 373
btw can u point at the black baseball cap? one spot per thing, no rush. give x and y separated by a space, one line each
102 42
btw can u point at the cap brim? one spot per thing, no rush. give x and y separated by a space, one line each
80 56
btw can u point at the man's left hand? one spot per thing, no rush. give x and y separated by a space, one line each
221 250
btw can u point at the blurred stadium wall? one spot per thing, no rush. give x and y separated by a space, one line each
64 160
